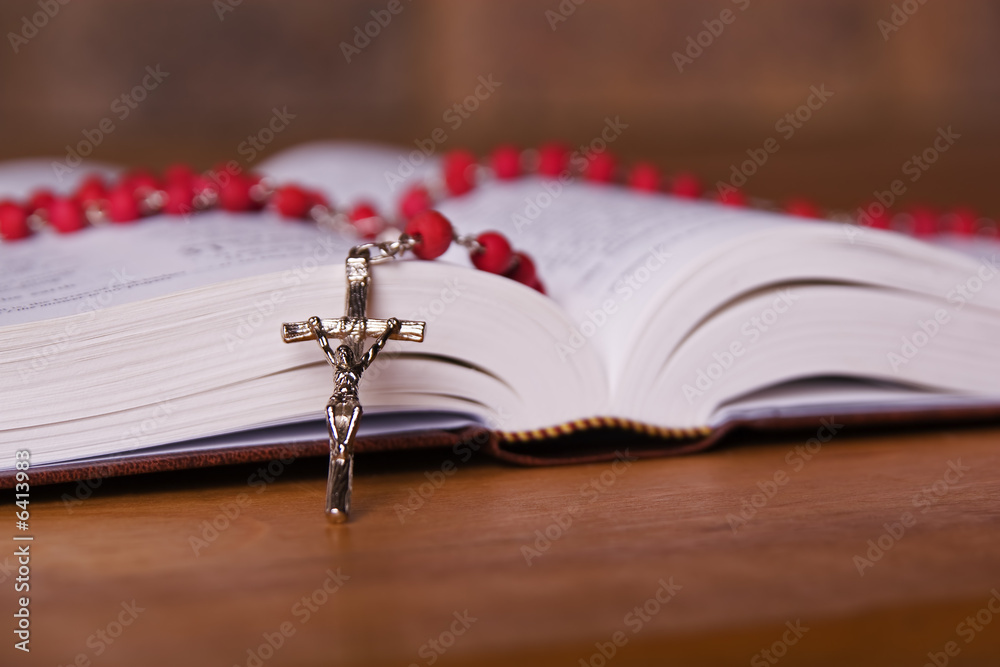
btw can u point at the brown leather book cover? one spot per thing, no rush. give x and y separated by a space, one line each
569 445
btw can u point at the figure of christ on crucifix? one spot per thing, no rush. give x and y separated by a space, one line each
343 410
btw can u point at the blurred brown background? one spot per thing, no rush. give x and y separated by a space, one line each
230 62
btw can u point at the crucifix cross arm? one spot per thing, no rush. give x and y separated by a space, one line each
343 357
340 327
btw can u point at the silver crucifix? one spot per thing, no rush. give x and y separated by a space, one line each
349 361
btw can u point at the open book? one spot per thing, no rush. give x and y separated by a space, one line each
667 316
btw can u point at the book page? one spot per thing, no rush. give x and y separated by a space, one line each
603 252
51 275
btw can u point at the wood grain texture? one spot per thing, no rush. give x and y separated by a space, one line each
462 549
228 71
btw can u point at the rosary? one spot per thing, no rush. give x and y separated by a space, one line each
424 232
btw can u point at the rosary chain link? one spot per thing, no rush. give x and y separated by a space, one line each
385 250
469 242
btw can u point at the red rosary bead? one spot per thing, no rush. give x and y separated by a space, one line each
495 254
292 201
880 220
645 177
66 216
317 198
234 194
924 221
414 201
522 269
600 167
91 192
553 159
506 162
178 173
179 197
433 233
204 192
122 205
362 211
732 197
964 221
459 172
366 220
686 186
13 221
141 181
40 200
802 208
875 215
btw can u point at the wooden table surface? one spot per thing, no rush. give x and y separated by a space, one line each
641 560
